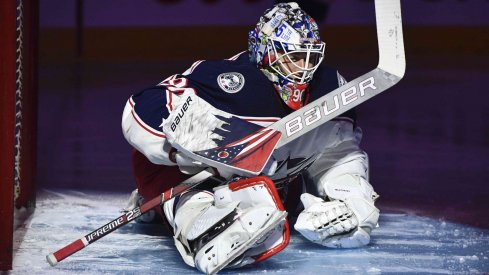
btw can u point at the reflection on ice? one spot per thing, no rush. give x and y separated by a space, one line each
402 244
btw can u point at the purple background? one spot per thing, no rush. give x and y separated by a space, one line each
428 137
121 13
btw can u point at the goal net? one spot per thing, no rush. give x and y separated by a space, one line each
18 118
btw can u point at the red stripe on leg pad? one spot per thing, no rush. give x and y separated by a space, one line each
276 249
270 186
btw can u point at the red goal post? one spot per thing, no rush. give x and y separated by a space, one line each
18 115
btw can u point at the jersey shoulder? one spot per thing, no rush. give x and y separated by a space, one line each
232 85
153 104
327 79
236 86
149 106
226 76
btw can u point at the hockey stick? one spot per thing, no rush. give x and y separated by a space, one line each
389 71
124 219
247 154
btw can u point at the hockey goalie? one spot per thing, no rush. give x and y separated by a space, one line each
318 184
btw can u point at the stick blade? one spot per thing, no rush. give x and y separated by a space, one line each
390 37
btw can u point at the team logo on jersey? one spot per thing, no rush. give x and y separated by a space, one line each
231 82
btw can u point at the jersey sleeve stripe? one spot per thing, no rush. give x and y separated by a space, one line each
162 83
236 56
254 118
260 119
192 68
169 98
146 127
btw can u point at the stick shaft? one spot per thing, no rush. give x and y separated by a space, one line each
390 70
127 217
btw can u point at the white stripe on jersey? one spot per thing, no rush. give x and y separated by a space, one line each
164 82
169 95
236 56
192 68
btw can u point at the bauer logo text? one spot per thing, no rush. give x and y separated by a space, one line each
180 114
329 106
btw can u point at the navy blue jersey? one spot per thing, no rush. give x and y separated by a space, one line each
235 86
256 100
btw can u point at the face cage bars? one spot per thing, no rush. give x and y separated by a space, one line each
307 48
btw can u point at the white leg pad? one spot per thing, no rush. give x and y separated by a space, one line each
239 237
213 230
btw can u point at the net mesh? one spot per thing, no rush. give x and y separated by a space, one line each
18 98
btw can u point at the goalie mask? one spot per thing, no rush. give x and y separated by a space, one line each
286 46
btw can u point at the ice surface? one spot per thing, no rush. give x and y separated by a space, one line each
402 244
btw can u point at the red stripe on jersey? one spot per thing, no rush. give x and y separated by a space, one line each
146 128
270 187
261 120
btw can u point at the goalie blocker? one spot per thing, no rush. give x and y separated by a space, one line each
241 223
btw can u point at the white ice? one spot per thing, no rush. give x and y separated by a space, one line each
402 244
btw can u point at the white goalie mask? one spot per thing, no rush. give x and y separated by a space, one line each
293 57
286 46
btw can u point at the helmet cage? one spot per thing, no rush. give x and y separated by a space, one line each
280 53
